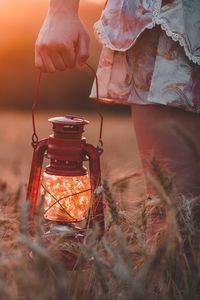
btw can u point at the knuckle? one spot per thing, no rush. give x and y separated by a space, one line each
49 46
68 48
67 45
61 46
37 46
42 47
83 56
53 46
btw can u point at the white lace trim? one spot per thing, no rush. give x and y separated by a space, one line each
156 20
175 37
102 37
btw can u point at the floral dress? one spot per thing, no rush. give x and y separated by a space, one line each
151 53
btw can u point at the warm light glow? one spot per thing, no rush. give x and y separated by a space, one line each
66 199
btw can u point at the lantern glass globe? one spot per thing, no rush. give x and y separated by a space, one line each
66 198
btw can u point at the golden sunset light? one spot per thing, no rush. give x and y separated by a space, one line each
99 150
20 23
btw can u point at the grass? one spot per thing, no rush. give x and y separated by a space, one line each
120 265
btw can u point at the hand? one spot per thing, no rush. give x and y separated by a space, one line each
62 43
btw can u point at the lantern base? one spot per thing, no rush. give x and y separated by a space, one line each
68 240
55 219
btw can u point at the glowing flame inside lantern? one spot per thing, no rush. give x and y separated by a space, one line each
66 198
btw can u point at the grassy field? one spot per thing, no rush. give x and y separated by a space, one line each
120 265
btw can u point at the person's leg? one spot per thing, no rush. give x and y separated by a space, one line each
157 137
177 156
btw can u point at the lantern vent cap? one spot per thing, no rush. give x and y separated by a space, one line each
68 120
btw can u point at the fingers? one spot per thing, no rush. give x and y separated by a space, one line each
82 50
38 61
68 56
50 59
58 61
44 63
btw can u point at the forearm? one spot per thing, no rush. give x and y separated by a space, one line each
64 6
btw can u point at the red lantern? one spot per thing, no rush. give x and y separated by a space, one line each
68 191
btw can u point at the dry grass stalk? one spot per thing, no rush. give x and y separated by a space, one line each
116 218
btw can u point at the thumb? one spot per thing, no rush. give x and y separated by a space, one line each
82 50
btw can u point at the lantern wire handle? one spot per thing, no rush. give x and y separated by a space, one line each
35 102
35 138
100 142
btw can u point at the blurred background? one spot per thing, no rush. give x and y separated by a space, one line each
20 22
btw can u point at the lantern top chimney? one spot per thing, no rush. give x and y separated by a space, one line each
68 120
68 127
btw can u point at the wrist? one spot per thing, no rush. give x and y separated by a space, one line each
64 6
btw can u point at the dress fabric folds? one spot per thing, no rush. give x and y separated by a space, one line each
151 53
